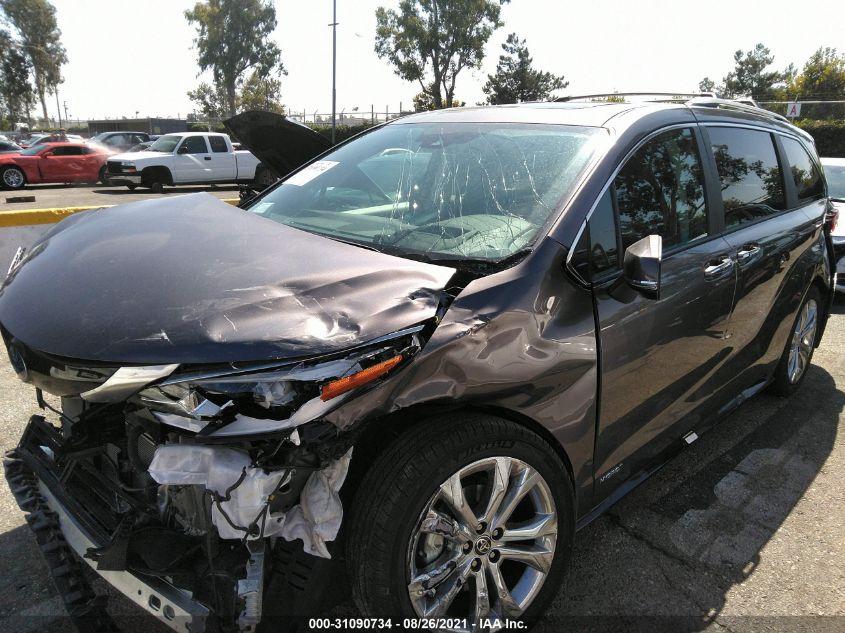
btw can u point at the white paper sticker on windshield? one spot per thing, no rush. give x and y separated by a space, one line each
311 172
261 207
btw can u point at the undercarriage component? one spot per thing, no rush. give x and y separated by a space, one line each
251 588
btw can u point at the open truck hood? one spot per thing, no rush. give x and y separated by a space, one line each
191 279
275 140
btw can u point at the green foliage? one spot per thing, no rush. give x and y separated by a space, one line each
423 102
823 76
432 41
751 76
262 93
828 135
17 96
516 80
343 132
232 38
211 100
39 39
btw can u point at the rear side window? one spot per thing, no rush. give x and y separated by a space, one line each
71 150
751 180
194 145
218 144
808 181
660 191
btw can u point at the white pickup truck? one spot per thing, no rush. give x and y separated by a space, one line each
188 158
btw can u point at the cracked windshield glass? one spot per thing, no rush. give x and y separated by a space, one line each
454 191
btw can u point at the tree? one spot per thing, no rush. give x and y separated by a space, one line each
432 41
423 101
751 77
823 75
232 38
40 41
707 85
16 92
262 93
516 80
211 100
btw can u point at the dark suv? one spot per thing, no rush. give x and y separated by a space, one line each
429 355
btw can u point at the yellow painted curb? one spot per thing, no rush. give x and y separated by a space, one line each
25 217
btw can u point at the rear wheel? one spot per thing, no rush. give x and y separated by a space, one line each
132 187
799 350
469 517
102 177
12 178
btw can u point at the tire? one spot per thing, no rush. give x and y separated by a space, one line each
264 177
12 177
157 186
102 178
132 187
796 358
404 484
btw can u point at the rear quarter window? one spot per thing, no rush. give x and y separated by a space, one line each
218 144
749 172
809 184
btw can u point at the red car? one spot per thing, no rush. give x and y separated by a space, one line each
53 162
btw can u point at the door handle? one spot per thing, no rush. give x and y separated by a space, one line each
746 252
206 157
716 267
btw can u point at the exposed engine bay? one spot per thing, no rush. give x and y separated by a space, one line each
190 475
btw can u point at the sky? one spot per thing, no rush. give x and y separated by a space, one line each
128 56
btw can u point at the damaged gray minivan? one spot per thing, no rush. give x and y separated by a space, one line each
415 366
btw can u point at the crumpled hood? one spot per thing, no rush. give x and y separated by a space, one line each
191 279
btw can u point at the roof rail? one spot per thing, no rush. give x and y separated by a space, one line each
672 96
739 106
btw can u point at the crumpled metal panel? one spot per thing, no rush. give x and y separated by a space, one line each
521 342
191 279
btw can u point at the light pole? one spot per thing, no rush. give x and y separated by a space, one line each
334 66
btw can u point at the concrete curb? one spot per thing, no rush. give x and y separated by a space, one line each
27 217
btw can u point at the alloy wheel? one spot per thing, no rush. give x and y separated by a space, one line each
12 178
803 339
484 543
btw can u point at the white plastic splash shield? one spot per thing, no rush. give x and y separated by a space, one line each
316 519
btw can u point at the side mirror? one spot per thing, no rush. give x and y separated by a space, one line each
46 154
641 266
183 149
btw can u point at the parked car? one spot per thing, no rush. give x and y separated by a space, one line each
32 139
434 365
56 138
52 162
182 159
834 170
9 147
140 146
120 141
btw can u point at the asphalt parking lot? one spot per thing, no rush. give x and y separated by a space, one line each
53 196
743 532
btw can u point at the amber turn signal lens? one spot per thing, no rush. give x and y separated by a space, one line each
337 387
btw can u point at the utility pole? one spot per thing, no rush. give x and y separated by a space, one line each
58 108
334 67
64 103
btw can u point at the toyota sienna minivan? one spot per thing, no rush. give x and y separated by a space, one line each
421 361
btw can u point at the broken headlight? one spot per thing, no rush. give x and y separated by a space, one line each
290 395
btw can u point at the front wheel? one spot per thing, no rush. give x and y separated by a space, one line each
468 518
12 178
796 358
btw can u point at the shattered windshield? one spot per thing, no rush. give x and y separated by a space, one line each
437 191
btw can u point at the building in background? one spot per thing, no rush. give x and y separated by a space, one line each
150 126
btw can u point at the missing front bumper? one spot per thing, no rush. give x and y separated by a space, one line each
64 540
